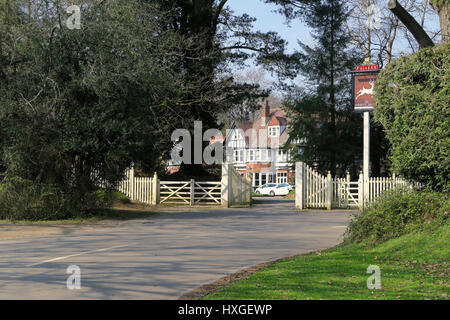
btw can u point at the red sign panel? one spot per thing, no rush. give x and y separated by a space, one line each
363 90
367 68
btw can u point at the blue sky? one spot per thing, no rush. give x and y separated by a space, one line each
267 20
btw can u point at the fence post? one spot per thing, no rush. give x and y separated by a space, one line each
361 191
329 190
299 176
248 184
192 192
347 183
132 186
155 189
226 185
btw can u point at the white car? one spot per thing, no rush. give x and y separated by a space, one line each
273 189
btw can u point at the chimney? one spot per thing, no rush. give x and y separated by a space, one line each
265 112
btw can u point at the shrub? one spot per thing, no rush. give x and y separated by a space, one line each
117 196
22 199
110 196
397 213
412 102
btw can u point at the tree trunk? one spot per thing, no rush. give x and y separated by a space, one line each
198 22
390 44
332 98
442 7
413 26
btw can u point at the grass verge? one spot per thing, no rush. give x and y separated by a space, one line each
414 266
405 234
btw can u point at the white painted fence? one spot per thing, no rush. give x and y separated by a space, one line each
142 189
314 190
377 186
233 189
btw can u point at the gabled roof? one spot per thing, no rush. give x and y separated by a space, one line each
277 117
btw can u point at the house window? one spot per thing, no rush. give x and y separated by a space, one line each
266 155
263 178
258 155
282 177
256 180
270 178
274 132
238 156
252 155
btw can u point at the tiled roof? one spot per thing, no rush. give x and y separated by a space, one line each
277 117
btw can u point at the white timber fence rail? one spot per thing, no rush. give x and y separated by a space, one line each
142 189
236 190
314 190
377 186
153 191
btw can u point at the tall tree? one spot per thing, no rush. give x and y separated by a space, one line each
219 39
321 112
74 102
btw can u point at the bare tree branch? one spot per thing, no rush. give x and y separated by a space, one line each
417 31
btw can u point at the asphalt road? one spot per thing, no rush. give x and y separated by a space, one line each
165 256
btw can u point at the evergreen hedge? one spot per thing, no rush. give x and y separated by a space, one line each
412 102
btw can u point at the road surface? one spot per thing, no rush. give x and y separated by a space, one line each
165 256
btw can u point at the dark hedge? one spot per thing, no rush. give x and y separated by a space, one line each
412 101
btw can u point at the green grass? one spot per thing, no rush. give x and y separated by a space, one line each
414 266
257 195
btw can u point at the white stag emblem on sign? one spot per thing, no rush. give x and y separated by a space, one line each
364 91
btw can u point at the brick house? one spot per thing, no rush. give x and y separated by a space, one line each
254 148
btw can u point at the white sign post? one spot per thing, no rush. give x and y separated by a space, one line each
363 87
366 157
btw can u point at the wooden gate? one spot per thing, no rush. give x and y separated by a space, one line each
314 190
175 192
207 193
190 192
347 194
233 189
